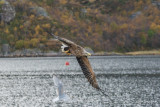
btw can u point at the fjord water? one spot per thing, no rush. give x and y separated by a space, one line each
130 81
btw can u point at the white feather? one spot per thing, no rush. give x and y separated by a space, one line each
63 46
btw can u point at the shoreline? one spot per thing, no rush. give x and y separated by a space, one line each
25 56
134 53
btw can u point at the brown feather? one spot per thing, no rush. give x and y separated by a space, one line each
82 60
87 71
66 41
73 48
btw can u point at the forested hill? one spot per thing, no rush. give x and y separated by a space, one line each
103 25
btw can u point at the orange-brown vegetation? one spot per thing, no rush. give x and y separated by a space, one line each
104 25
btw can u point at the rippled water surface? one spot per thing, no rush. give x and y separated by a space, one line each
129 81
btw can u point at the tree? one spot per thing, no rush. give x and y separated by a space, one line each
19 44
34 42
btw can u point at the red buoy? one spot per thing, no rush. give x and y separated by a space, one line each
67 63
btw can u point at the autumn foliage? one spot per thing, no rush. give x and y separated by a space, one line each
105 25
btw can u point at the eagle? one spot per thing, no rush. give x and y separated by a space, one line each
81 54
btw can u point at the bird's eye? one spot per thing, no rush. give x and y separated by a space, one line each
66 48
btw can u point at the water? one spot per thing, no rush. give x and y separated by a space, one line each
128 80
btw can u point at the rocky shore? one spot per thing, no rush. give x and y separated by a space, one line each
38 53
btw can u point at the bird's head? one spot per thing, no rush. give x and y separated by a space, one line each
65 49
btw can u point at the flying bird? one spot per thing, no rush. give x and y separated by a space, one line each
81 54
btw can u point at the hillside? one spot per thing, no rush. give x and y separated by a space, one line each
103 25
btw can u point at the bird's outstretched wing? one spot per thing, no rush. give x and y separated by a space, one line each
63 40
87 71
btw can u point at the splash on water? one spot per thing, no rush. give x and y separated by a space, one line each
61 96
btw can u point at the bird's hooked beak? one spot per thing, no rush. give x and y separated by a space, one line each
89 54
67 52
